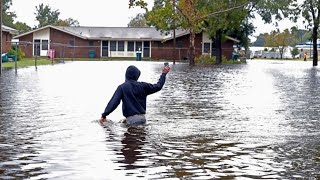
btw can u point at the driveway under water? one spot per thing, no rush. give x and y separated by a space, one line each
258 120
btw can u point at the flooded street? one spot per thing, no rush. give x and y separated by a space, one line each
258 120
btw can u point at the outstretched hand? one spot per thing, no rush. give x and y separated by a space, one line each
102 120
165 69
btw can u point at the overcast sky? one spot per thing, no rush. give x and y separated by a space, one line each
109 13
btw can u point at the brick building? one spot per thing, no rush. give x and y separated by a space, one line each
85 42
7 33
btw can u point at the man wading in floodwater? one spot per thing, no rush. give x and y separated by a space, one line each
134 96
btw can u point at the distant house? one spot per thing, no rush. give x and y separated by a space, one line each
85 42
7 33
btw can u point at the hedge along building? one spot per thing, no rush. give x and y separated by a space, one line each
99 42
7 34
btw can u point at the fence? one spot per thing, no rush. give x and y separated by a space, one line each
63 51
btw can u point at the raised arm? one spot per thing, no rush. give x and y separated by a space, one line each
152 88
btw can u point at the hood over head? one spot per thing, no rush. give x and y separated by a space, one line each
132 73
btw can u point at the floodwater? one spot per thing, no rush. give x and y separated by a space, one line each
258 120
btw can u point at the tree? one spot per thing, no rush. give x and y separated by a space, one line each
138 21
191 15
279 40
165 18
310 10
260 41
22 27
46 16
294 52
228 22
7 16
67 22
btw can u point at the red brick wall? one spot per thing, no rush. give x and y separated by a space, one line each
26 44
6 38
165 50
60 41
227 48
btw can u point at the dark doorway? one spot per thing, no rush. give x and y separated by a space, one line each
105 48
146 49
36 47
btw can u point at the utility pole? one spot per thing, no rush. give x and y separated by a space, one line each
1 37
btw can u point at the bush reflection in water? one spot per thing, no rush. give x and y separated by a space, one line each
257 120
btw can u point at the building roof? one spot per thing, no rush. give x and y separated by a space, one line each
116 33
9 29
123 33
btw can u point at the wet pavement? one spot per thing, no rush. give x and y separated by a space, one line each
258 120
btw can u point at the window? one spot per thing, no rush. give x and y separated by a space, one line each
146 44
91 43
159 44
130 46
206 47
138 46
179 43
45 45
213 48
120 45
71 42
113 45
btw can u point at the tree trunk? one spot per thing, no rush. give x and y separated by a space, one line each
1 37
218 47
174 46
191 48
315 48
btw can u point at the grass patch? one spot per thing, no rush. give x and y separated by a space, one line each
27 62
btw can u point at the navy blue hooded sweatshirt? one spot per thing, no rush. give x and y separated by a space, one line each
133 94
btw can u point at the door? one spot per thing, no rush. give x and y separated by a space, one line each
105 48
146 49
36 47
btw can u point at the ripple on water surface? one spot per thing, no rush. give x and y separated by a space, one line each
257 121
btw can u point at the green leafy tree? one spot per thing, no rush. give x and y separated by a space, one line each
279 40
67 22
164 17
190 14
310 10
7 16
46 16
295 52
22 27
228 22
138 21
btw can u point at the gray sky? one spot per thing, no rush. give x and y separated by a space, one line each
109 13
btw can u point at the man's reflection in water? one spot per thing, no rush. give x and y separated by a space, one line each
133 142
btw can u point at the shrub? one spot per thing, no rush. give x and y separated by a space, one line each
205 59
20 53
294 52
